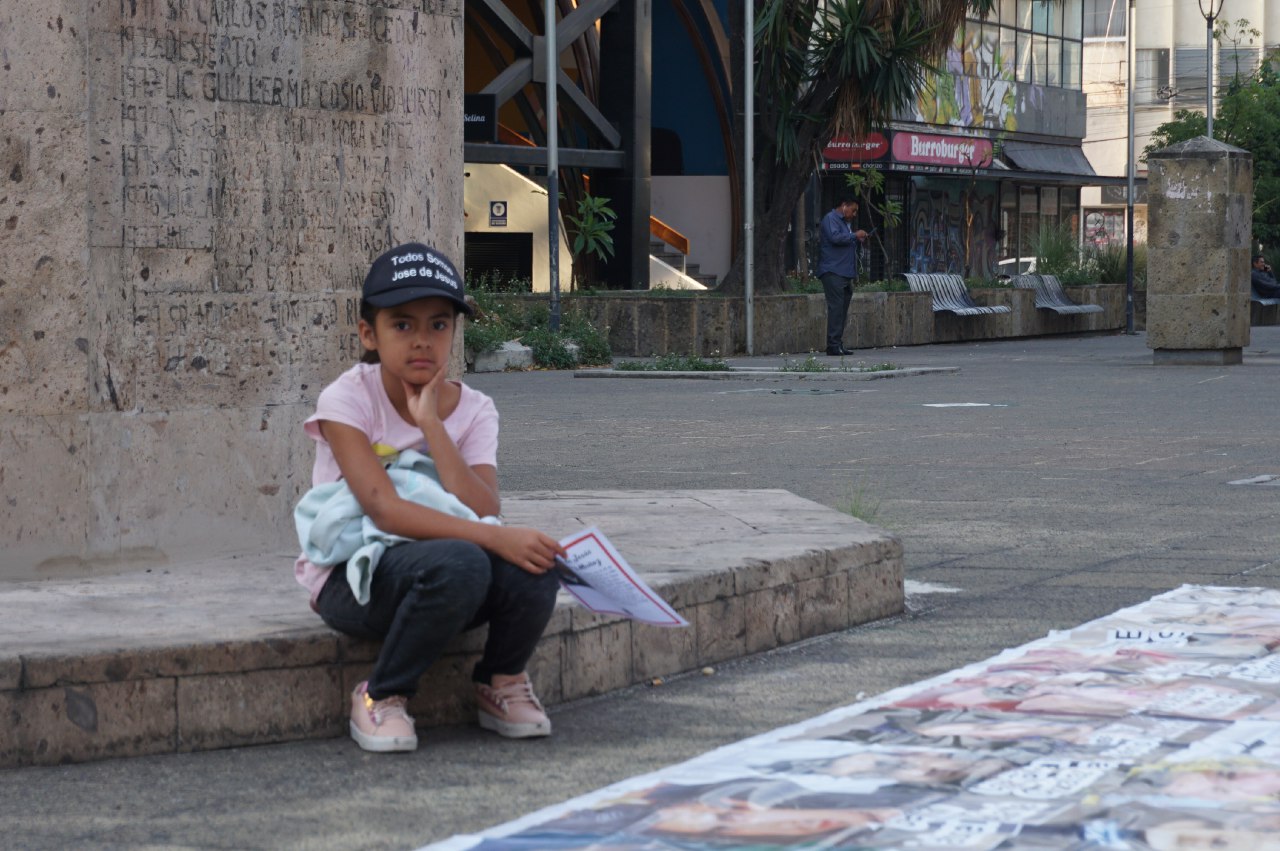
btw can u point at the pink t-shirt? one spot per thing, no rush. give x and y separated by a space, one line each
358 399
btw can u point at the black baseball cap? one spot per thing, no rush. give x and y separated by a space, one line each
412 271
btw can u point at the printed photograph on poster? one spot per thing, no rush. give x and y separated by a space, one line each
1140 730
599 578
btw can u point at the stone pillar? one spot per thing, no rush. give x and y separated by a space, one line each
193 190
1200 212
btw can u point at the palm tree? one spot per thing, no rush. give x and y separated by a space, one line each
826 68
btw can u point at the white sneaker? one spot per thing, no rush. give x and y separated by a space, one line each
512 710
383 725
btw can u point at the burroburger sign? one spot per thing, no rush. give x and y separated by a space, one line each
929 149
925 152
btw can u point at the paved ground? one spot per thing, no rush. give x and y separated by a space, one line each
1093 480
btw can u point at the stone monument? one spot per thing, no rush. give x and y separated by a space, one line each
193 190
1200 224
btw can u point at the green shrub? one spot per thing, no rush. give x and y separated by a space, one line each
1112 264
1056 249
890 285
593 344
675 363
1085 273
492 282
809 364
665 292
799 283
549 348
485 333
500 317
987 284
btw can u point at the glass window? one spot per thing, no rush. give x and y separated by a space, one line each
1151 75
972 48
1234 62
1103 228
1028 220
1040 14
1049 202
1051 15
1009 12
1053 67
1040 59
1189 71
1072 12
1024 14
1069 204
1024 58
1105 18
1008 220
1008 50
990 38
1071 65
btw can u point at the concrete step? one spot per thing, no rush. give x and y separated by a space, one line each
667 255
225 652
694 270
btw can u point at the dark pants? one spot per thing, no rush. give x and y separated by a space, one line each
426 592
839 291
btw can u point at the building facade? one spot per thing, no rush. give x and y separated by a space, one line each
990 152
1172 56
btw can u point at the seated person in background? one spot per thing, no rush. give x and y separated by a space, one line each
1264 283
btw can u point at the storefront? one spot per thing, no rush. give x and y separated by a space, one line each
969 205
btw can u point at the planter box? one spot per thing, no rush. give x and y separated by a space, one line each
643 325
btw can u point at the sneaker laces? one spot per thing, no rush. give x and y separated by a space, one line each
388 707
515 693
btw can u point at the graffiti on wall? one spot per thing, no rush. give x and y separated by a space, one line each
976 87
938 229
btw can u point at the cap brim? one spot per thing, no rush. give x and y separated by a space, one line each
408 294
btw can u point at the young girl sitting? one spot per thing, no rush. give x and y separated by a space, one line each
452 574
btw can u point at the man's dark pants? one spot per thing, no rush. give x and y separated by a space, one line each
839 291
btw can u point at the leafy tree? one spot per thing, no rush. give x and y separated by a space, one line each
1249 118
592 231
868 185
825 68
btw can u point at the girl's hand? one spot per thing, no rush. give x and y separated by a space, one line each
528 549
424 401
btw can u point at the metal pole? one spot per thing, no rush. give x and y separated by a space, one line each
1208 73
749 131
1128 283
553 164
1210 15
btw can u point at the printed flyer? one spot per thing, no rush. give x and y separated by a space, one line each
599 578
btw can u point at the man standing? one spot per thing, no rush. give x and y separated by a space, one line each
1264 283
838 267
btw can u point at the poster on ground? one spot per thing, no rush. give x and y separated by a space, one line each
1152 728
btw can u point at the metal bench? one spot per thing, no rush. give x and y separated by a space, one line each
1257 299
1050 295
949 294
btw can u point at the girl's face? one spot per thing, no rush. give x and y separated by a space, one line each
413 340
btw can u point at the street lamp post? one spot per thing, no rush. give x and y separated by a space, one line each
748 201
1128 280
1210 14
552 58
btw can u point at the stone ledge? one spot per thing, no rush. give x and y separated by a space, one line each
224 653
756 374
641 324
